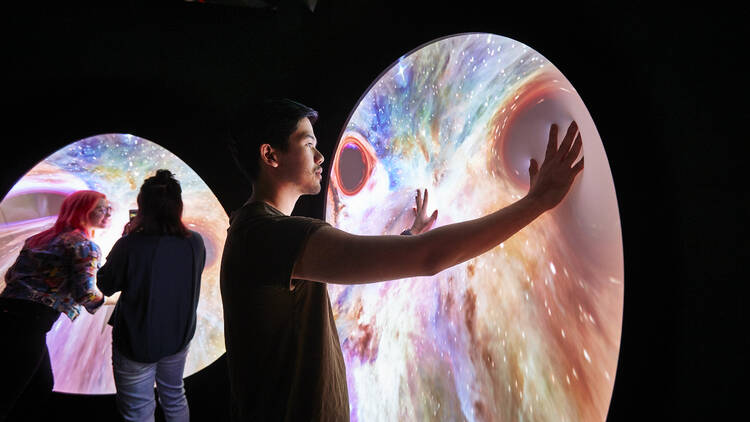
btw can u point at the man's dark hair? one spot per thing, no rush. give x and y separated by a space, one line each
160 207
270 122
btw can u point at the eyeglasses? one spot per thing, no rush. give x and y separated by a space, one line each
103 210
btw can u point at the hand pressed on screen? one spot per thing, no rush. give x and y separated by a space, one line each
552 181
422 223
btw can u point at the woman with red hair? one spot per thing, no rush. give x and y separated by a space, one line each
54 273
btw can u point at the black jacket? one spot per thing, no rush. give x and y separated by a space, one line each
160 280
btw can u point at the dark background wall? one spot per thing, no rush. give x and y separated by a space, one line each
663 87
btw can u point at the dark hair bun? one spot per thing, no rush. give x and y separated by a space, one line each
163 175
160 206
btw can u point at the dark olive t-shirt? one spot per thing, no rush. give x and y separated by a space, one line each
283 352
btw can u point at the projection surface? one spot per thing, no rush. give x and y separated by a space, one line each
115 165
530 330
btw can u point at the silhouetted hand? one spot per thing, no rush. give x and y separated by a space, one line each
112 300
421 222
552 181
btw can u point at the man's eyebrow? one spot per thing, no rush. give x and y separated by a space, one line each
311 136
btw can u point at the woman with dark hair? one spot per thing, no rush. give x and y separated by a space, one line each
53 274
157 266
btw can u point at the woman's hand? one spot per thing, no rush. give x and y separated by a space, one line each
112 300
422 223
127 228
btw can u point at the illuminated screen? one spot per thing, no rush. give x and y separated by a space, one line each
527 331
115 165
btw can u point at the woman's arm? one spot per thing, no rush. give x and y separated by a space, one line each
111 276
85 261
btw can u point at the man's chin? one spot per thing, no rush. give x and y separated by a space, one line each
314 190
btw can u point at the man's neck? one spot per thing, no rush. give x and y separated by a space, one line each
281 199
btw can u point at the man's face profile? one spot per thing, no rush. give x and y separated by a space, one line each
301 162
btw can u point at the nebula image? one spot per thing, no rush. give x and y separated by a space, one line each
528 331
116 165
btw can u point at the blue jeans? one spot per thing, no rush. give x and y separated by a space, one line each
135 387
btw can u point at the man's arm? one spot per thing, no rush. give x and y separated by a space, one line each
334 256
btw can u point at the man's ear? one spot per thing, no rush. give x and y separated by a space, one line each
268 155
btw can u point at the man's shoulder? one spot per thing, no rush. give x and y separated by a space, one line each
265 230
251 211
259 213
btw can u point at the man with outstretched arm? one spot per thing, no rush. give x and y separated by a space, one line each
283 352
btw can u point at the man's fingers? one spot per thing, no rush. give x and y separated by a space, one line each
431 221
568 140
552 143
424 199
533 169
418 200
574 150
578 167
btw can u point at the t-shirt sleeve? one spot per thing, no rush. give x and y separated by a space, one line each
277 243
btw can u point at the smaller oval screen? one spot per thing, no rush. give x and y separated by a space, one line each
115 165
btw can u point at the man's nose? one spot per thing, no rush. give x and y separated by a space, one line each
318 157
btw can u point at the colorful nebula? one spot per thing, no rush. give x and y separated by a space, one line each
527 331
116 165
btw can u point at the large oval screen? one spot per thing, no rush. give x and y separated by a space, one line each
527 331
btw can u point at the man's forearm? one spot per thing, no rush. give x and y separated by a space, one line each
331 255
334 256
449 245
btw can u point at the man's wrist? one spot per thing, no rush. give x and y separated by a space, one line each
534 204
